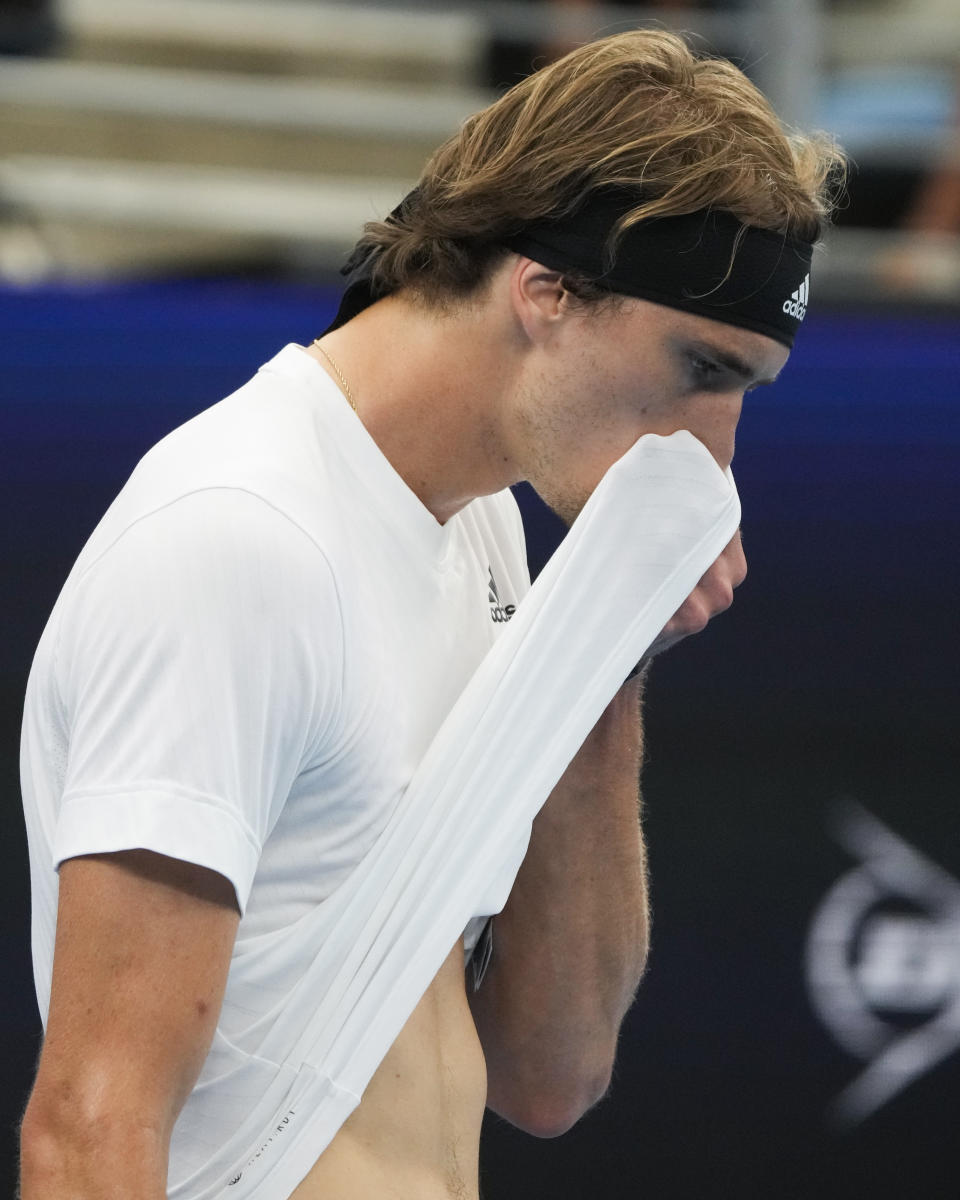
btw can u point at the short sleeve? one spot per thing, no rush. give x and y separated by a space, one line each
199 664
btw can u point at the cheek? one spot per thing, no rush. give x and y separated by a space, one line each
582 410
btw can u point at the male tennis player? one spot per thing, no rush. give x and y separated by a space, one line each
261 639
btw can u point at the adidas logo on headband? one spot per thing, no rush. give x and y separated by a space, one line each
796 306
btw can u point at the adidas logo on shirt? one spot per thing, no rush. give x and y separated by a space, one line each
796 306
499 613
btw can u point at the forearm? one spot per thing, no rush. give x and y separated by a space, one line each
570 946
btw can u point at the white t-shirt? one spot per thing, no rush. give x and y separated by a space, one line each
243 670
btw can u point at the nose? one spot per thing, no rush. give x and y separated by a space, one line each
726 574
723 435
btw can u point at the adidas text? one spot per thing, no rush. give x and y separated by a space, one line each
796 306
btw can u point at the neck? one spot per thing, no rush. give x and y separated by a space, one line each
429 387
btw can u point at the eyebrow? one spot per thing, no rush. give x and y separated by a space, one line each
732 362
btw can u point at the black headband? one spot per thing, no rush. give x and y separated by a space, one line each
707 262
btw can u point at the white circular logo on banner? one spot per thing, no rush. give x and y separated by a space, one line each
883 963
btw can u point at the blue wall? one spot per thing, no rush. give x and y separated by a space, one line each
834 675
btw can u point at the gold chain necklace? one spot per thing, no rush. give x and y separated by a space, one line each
339 374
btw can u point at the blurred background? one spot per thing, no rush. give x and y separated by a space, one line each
180 181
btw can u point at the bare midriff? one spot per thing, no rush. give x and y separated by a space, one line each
416 1133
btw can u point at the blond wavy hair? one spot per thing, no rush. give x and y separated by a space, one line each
639 110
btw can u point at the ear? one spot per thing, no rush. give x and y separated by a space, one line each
540 301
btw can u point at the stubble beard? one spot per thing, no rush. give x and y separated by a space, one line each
546 476
565 505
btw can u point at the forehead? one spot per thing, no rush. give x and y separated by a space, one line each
764 356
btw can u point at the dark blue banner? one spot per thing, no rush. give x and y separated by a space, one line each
798 1034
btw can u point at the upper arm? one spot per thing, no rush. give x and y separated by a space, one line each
142 950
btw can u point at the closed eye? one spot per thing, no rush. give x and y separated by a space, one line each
721 372
706 373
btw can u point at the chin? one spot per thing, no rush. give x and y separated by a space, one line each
563 496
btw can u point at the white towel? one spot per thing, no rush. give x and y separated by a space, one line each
660 517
